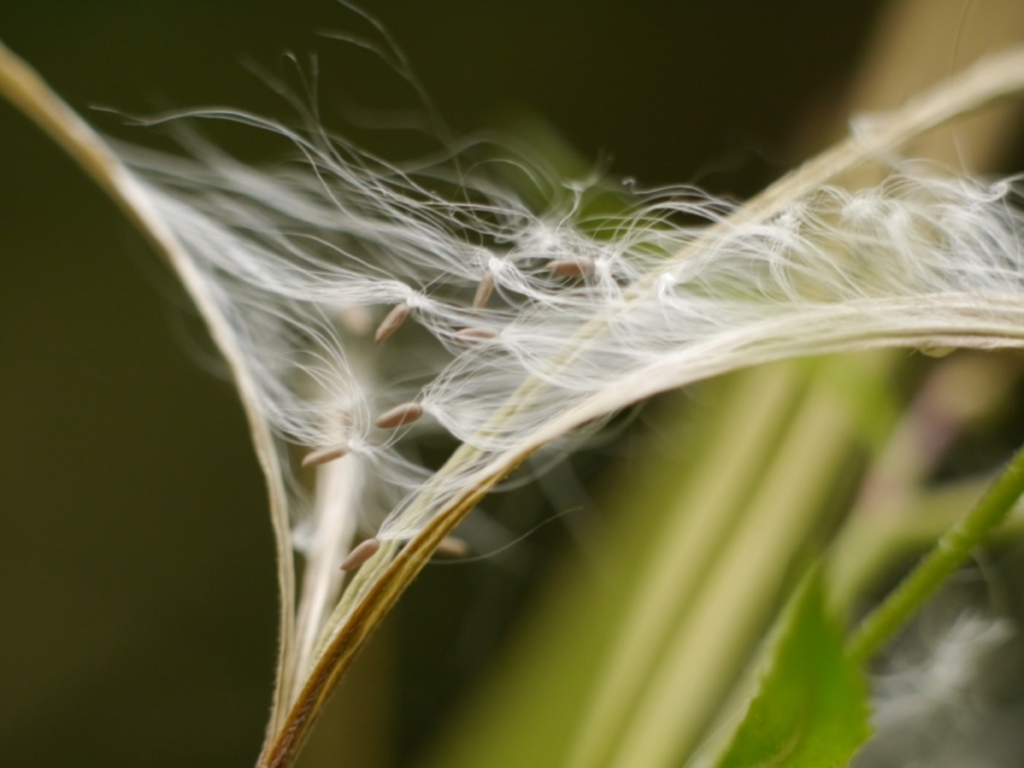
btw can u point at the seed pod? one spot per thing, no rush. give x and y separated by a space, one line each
571 267
391 323
484 289
399 415
324 455
360 554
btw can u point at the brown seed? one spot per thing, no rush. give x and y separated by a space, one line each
451 547
475 334
324 455
391 323
399 415
571 267
484 289
360 554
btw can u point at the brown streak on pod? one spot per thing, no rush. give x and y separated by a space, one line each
360 554
399 415
572 267
484 289
391 323
324 455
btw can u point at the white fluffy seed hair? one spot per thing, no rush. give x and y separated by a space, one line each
668 292
516 326
943 680
936 703
671 291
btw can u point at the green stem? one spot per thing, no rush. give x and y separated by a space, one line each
951 551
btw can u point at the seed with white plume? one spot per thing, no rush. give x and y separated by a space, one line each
918 260
475 334
360 554
392 322
484 290
324 455
571 267
922 261
400 415
451 547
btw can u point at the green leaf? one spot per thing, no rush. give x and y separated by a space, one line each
811 710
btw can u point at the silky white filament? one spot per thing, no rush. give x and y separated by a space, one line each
934 700
594 313
513 327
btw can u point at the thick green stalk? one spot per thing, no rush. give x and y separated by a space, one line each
791 498
685 550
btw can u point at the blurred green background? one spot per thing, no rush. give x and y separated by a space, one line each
137 588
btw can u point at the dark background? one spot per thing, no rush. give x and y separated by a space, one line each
137 588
